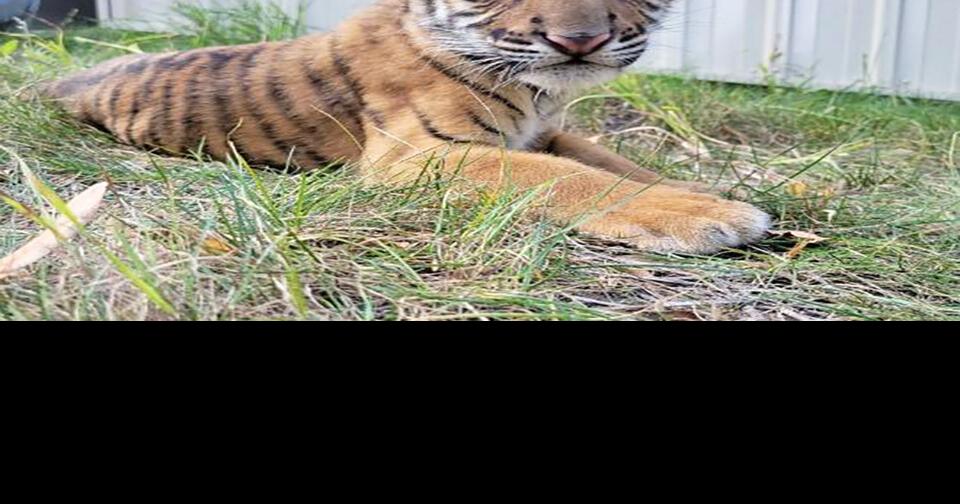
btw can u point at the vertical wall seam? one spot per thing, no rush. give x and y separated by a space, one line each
922 67
956 63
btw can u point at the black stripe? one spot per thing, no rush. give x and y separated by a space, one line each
228 118
139 96
266 128
193 119
180 61
356 88
483 124
162 120
436 65
429 127
486 22
334 105
168 126
112 119
283 102
329 96
129 70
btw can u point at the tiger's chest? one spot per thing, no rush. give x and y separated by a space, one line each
529 131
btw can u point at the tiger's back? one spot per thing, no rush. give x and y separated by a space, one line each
277 104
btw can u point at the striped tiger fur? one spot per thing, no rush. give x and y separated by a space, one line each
479 82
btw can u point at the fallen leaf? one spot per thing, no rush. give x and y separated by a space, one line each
803 235
216 246
806 239
798 249
797 189
84 206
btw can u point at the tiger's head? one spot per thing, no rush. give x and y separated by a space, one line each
554 44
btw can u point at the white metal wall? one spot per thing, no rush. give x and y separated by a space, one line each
322 14
905 46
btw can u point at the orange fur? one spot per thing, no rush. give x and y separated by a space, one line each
480 81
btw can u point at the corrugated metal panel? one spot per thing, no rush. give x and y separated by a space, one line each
904 46
321 15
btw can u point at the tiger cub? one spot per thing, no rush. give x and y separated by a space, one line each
477 83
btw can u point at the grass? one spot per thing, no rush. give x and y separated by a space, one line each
189 239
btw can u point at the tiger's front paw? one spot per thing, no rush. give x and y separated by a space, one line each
676 221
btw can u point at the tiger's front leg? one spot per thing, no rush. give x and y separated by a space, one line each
572 146
653 217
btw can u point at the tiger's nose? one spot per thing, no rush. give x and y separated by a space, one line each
579 44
